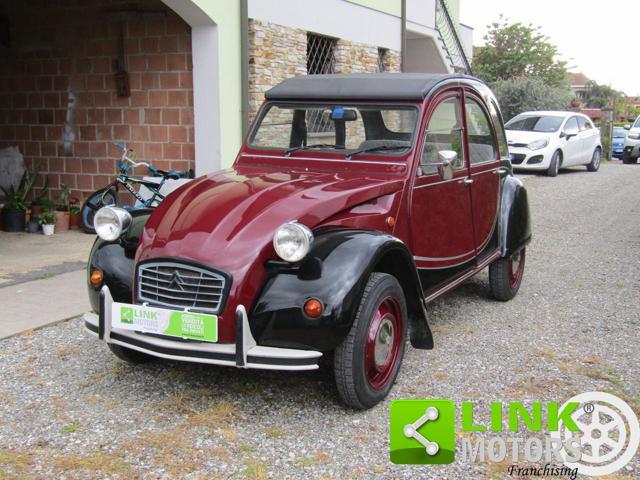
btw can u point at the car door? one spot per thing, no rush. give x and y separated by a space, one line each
441 219
572 143
484 162
588 137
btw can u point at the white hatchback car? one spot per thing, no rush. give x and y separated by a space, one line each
549 141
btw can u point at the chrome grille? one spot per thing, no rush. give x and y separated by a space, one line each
180 286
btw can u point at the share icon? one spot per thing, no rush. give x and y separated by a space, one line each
410 430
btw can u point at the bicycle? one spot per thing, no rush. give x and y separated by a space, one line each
109 194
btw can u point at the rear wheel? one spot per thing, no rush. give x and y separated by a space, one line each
505 276
367 362
128 355
627 158
554 166
95 202
594 165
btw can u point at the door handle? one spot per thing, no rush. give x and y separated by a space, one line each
467 181
501 171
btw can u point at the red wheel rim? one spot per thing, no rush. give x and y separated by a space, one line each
384 340
516 267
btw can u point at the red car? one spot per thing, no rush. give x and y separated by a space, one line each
354 202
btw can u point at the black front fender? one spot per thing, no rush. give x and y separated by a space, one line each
335 272
116 262
515 219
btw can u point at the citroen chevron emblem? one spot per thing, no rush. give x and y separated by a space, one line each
176 282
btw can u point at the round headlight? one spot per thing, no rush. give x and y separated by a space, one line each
111 222
292 241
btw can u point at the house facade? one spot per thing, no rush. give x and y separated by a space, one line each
180 80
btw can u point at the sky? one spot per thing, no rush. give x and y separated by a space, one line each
596 38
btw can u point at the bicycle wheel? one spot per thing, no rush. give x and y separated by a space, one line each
96 201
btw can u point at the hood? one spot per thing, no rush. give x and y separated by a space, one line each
519 136
227 219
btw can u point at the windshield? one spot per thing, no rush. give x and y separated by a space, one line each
350 129
535 123
619 132
637 124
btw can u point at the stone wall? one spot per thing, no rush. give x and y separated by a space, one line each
277 52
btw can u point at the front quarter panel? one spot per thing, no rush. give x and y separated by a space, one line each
116 260
335 272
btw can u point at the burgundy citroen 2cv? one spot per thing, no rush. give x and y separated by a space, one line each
354 202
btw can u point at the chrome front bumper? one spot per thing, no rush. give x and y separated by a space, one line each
245 353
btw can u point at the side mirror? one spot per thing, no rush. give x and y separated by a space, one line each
447 159
568 134
627 127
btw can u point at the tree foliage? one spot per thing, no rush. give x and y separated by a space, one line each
517 95
518 50
600 96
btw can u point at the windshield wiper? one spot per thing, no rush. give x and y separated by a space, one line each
377 148
289 151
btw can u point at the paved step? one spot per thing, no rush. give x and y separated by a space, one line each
38 303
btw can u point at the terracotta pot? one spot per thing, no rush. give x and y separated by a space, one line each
74 221
62 221
36 210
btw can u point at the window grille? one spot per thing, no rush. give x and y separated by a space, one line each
382 59
321 59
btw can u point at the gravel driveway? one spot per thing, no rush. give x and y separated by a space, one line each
70 409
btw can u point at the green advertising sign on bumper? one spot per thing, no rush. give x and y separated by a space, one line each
195 326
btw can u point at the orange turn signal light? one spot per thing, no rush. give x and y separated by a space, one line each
313 308
391 221
96 277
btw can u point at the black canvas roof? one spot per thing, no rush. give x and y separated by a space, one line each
360 86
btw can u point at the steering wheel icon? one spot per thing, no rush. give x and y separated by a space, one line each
609 437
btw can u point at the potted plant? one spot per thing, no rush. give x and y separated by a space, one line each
33 224
15 207
74 213
39 203
48 221
62 210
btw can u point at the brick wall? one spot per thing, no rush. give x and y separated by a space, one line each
58 100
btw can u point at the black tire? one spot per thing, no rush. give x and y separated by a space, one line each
129 355
627 159
92 205
594 165
554 166
502 278
350 358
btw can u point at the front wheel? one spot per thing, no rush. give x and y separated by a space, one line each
95 202
627 159
367 362
594 165
505 276
554 166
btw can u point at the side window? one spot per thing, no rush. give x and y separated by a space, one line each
444 132
584 123
482 145
571 126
